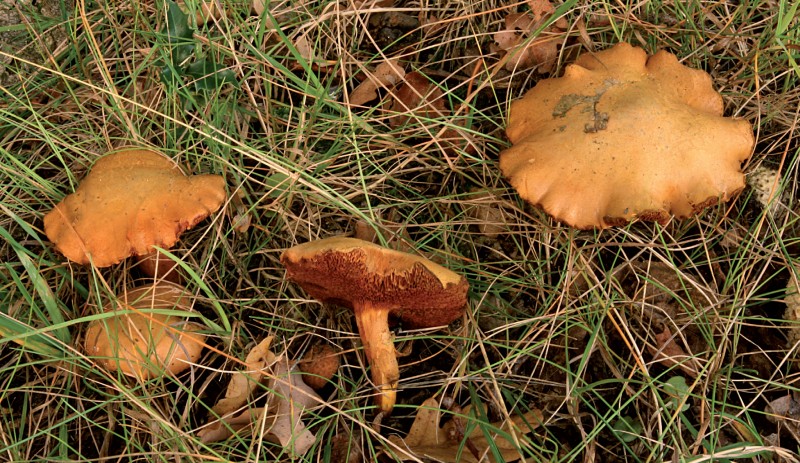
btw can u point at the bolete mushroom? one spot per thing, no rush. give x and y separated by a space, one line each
131 200
624 136
140 341
377 282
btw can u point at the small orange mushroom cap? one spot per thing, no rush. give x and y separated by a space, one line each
131 200
624 136
141 343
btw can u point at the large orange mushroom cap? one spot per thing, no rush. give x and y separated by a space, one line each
131 200
624 136
377 282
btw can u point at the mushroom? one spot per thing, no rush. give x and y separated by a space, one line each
319 365
621 137
141 342
131 201
377 282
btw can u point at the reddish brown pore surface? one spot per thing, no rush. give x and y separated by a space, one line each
131 201
350 272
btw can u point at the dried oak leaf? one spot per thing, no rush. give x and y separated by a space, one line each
419 101
486 213
446 443
386 74
280 418
669 353
542 50
290 397
238 393
417 98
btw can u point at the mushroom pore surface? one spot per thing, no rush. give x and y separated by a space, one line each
352 272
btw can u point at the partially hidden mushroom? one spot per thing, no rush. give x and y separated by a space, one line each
377 282
131 200
141 339
624 136
319 365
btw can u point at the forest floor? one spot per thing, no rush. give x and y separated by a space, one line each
385 120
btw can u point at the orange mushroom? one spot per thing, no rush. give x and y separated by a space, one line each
131 200
624 136
377 282
144 343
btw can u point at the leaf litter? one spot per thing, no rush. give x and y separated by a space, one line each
457 435
280 420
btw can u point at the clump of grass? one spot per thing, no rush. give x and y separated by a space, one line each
560 321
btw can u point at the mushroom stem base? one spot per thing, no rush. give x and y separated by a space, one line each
373 326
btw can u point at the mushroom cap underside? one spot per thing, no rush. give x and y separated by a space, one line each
131 200
352 272
620 137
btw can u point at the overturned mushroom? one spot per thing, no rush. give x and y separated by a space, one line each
131 201
621 137
376 282
140 341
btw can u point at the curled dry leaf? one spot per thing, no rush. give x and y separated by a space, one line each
289 399
304 48
792 312
238 393
418 98
669 353
488 216
447 443
386 74
282 414
244 382
541 51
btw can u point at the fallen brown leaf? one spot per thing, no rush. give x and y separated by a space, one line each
243 383
386 74
540 52
447 443
418 98
289 399
238 393
669 353
281 417
487 214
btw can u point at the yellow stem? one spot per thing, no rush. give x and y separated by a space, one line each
373 326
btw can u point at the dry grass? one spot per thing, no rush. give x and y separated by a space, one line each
562 321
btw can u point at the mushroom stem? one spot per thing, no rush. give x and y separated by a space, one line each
373 326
